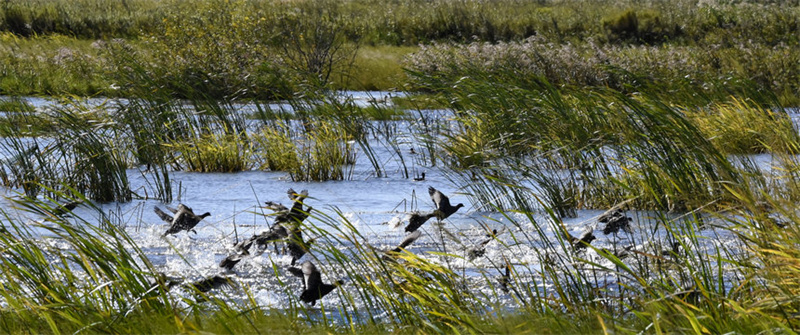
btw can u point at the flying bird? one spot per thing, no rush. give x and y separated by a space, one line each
65 208
443 207
615 221
315 289
297 246
505 279
580 243
183 219
417 219
410 238
479 249
210 283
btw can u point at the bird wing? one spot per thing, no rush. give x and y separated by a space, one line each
439 199
297 207
416 220
312 276
276 207
161 214
410 238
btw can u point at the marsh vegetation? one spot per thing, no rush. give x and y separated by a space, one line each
547 119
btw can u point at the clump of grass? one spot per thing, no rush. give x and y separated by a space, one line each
676 73
277 149
320 152
609 145
215 153
82 154
742 127
324 153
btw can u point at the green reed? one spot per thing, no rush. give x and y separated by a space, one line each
672 281
592 148
80 151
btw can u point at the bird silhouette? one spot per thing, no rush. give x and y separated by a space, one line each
229 262
210 283
505 279
296 214
66 208
443 207
315 289
580 243
183 219
297 247
420 178
410 238
479 249
615 221
417 219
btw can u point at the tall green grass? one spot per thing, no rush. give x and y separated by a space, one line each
673 280
270 50
74 144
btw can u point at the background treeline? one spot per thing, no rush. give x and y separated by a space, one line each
413 22
272 49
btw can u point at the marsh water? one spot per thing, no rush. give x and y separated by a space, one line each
378 207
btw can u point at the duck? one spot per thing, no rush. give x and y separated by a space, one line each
420 178
479 249
410 238
615 221
505 279
210 283
65 208
183 219
229 262
315 289
296 246
443 207
580 243
417 219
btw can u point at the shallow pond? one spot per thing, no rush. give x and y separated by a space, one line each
378 207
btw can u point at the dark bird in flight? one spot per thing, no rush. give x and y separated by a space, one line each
183 219
505 279
580 243
315 289
615 221
229 262
443 207
210 283
417 219
296 245
410 238
479 249
66 208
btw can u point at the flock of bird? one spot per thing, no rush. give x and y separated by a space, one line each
286 229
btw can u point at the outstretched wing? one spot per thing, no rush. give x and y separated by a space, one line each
410 238
161 214
439 199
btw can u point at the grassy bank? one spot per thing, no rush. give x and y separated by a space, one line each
266 50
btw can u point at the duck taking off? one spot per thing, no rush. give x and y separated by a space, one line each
443 207
315 289
183 219
417 219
